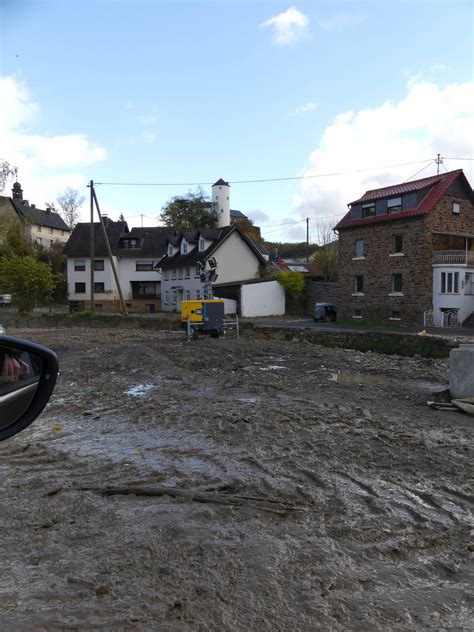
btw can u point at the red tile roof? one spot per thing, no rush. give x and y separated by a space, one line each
439 185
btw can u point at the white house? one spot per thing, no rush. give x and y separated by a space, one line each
135 254
206 261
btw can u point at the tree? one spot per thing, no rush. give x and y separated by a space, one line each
13 240
328 253
253 233
69 204
53 257
293 283
192 211
7 170
28 280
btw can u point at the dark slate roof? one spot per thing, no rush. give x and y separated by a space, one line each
217 235
153 242
49 219
239 214
437 185
221 182
78 243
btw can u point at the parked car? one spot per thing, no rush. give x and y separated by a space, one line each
28 374
325 312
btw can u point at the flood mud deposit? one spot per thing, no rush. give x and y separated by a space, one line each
236 485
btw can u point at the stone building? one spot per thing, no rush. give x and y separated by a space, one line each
406 253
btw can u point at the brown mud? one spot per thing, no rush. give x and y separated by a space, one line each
235 485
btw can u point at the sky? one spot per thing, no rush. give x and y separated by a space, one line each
315 102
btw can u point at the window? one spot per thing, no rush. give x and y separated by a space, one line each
395 315
188 295
145 289
167 298
187 273
394 205
360 248
397 283
449 282
184 247
175 297
80 288
368 210
142 266
50 231
359 284
456 208
357 313
180 273
173 274
51 242
202 243
79 265
130 243
99 288
197 271
198 295
39 229
166 275
170 250
98 264
397 244
38 240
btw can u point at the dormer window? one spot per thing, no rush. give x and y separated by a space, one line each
394 205
170 250
202 244
368 210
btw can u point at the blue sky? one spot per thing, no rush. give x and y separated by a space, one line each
189 92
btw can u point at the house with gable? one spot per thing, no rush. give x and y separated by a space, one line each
135 254
406 253
38 226
225 254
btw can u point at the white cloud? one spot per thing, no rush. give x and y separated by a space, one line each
427 121
304 109
46 163
288 27
258 217
340 20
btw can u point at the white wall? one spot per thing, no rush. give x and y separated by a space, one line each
127 273
262 299
463 301
105 276
235 261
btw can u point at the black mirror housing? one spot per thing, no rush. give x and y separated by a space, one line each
27 396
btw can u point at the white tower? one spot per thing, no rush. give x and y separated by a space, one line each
220 198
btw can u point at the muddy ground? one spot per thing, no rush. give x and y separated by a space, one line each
279 486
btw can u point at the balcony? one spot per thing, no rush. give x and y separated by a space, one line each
458 257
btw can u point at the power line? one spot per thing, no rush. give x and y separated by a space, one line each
420 170
446 158
319 175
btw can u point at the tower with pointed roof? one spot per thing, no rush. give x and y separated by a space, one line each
221 201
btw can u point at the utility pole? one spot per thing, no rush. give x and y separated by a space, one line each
307 239
438 161
91 185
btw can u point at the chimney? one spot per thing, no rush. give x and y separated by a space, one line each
34 206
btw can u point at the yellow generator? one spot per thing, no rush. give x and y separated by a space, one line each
203 317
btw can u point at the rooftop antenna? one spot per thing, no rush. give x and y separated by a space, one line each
438 161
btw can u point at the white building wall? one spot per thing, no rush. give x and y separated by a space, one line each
44 235
221 199
262 299
127 273
235 261
462 301
105 276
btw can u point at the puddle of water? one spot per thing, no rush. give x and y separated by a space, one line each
272 367
355 378
139 390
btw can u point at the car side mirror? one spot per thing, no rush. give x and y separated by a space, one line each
28 374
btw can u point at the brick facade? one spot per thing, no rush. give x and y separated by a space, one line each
378 302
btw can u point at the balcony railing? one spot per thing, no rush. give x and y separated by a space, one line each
454 256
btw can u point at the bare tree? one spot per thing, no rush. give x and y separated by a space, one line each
327 254
7 171
69 204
